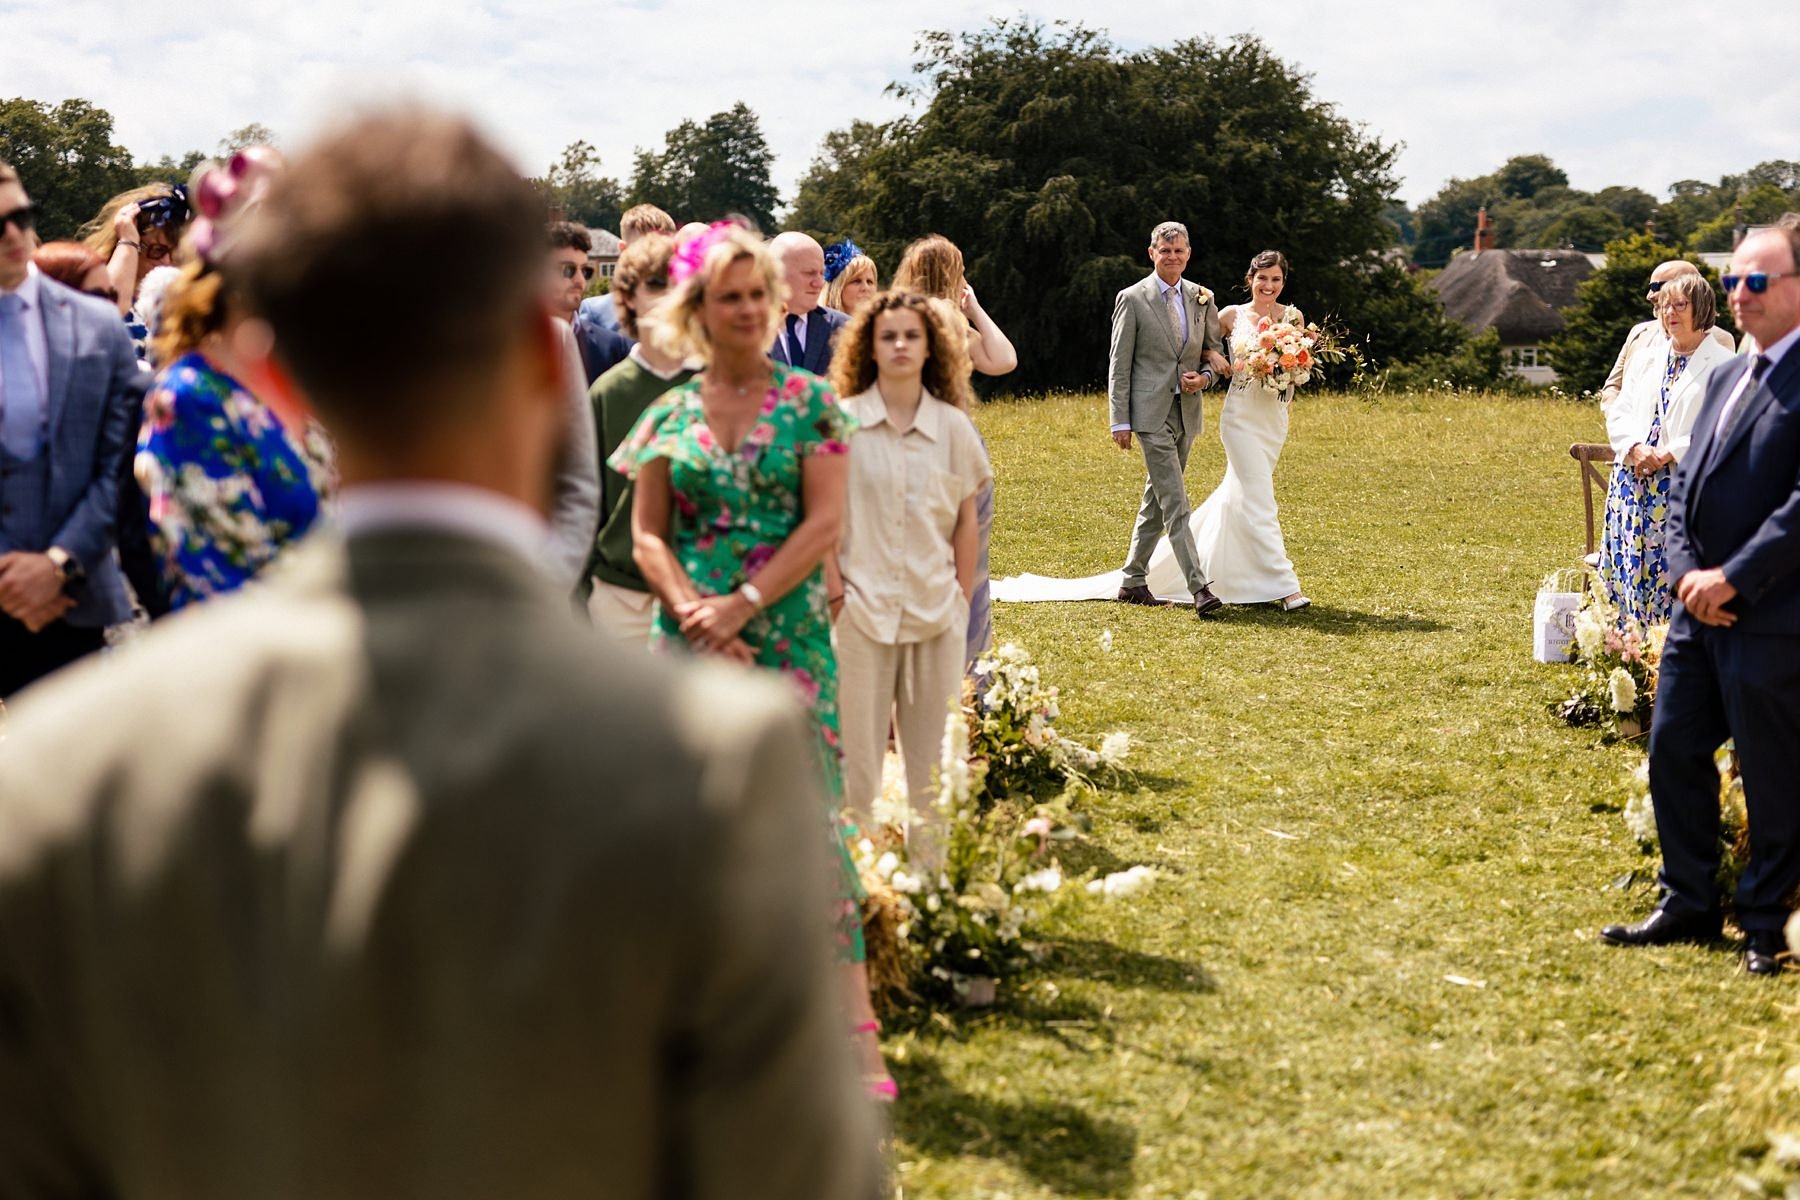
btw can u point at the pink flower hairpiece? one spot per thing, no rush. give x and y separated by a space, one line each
221 194
690 256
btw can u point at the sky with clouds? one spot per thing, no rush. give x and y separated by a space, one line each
1635 92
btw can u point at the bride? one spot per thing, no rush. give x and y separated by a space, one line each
1237 535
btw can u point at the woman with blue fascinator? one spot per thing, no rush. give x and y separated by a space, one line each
850 276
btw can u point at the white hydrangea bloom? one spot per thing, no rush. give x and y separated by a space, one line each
1623 689
1590 634
1123 883
1046 881
1640 818
1114 747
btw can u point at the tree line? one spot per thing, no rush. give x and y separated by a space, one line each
1047 153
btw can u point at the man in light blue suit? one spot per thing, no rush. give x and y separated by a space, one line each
69 391
808 328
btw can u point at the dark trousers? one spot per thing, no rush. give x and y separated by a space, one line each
26 657
1717 684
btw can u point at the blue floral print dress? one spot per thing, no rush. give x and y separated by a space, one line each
1633 562
228 486
731 513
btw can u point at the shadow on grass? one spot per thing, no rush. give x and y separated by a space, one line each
1340 622
1130 968
1056 1143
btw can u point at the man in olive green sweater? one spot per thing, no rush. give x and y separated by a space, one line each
621 603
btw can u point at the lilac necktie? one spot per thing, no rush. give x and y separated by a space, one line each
21 397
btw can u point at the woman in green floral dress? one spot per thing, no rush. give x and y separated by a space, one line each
740 477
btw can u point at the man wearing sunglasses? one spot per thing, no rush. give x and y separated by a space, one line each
1731 666
1644 331
69 390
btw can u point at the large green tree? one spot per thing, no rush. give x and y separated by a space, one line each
1608 303
1047 154
575 185
67 158
707 170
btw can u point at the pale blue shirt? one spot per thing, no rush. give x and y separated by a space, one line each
1186 332
35 346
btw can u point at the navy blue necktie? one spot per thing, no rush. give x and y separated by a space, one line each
795 351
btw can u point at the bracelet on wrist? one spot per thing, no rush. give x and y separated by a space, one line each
128 246
752 595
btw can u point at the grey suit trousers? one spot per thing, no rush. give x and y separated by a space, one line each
1165 508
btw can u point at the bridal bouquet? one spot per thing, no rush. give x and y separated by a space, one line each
1282 354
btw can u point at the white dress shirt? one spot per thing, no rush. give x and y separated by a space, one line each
444 507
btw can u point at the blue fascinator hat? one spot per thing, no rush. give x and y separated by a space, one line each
838 256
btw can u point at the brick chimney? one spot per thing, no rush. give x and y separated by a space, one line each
1484 233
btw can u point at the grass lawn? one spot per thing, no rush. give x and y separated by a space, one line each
1349 805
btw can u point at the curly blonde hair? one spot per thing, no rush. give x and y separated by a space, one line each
947 368
676 327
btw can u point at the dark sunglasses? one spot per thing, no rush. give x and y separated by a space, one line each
25 218
1656 284
1757 282
105 293
164 211
569 269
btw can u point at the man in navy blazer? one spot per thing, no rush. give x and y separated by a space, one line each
69 391
808 328
1731 667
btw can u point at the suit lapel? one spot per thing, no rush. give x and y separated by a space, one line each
59 350
1751 407
818 341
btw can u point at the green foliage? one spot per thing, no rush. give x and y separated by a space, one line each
1524 176
170 169
1608 303
1478 364
67 159
1400 320
253 134
1048 154
1761 205
705 171
575 185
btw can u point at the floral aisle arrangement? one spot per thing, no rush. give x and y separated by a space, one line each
1618 668
952 931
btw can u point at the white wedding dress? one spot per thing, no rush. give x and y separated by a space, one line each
1237 534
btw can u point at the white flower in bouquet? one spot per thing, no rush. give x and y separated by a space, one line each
887 864
892 807
953 765
906 885
1046 881
1114 747
1640 818
1623 690
1641 775
1123 883
1590 633
933 903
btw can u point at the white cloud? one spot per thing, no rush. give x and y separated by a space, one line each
1630 93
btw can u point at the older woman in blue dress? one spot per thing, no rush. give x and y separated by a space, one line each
1649 426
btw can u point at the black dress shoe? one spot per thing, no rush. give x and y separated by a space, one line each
1764 952
1140 595
1661 928
1205 602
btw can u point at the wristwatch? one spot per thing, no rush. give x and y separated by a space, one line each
752 593
68 567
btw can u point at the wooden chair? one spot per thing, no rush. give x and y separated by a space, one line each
1586 456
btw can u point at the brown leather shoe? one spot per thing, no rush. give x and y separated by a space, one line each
1205 602
1140 595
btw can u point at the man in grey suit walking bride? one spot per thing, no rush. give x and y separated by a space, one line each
1166 350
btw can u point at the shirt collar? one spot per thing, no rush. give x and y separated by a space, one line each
28 288
1166 288
1780 349
446 507
872 410
637 356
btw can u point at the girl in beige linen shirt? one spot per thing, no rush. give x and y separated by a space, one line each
906 558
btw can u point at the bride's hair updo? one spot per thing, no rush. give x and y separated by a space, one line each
1265 260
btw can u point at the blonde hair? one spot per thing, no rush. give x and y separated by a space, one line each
676 327
194 305
856 268
947 368
643 220
933 266
100 236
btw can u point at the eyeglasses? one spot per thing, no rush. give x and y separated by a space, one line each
25 218
569 269
155 251
1757 282
1672 305
105 293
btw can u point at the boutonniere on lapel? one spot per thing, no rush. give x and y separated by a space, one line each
1203 296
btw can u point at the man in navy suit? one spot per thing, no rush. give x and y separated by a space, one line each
807 327
1731 667
69 390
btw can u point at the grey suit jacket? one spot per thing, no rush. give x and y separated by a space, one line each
1145 364
422 891
575 505
96 395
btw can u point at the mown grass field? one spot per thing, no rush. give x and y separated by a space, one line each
1350 805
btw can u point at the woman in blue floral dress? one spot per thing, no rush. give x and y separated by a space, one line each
1649 425
740 477
229 481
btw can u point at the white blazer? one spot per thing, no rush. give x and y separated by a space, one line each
1628 418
